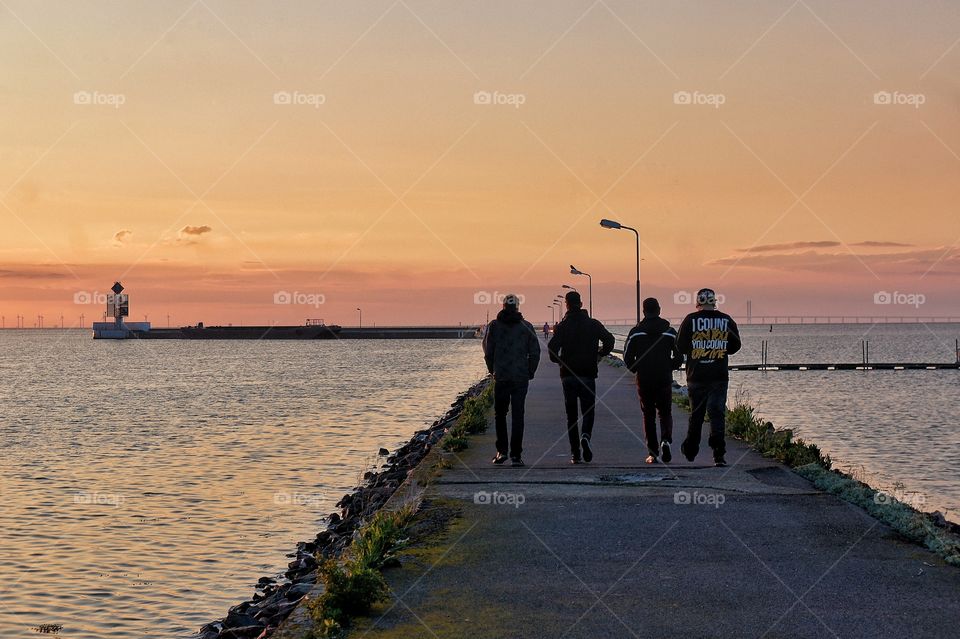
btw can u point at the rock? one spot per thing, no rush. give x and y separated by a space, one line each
240 619
297 591
383 452
242 632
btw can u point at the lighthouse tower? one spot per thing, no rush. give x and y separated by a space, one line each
118 307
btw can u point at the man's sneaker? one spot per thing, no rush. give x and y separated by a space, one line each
719 462
585 447
499 458
665 452
651 459
686 451
574 459
516 461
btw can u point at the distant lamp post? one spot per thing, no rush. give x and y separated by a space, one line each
575 271
612 224
553 315
361 316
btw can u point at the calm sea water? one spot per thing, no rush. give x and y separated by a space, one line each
898 430
146 486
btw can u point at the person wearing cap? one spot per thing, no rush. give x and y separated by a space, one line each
578 343
707 338
512 352
651 353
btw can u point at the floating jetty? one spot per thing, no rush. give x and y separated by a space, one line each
879 366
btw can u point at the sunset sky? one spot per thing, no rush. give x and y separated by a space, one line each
413 158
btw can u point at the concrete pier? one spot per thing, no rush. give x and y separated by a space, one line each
619 548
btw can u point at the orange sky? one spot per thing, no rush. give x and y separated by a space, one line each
217 155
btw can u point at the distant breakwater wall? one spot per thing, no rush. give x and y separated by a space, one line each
274 600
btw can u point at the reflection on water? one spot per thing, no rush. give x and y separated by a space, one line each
146 486
890 427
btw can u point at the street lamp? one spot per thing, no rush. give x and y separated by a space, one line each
553 315
361 316
572 288
575 271
612 224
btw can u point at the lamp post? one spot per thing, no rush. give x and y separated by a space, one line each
612 224
553 315
361 316
557 305
575 271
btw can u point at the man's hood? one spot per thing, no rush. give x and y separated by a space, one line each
510 316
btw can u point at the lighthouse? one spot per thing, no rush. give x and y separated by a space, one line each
118 308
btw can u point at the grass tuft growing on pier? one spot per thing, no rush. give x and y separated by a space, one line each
777 443
472 420
352 588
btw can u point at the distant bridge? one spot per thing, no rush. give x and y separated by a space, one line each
765 320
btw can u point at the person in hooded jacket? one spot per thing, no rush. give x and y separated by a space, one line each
651 353
512 353
578 343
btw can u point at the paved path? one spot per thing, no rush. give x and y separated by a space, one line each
605 550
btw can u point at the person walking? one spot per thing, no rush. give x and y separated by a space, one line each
707 338
578 343
511 351
651 353
546 330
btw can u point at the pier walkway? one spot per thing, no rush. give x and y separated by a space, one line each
617 548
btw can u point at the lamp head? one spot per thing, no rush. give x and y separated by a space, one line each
610 224
574 270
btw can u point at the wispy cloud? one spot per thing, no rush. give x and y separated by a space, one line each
819 244
195 230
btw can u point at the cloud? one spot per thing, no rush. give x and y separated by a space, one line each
789 246
195 230
939 261
121 236
29 274
876 244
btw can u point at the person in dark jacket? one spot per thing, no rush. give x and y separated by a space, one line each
578 343
512 352
651 353
707 338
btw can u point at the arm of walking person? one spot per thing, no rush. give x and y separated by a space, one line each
630 350
555 344
733 338
607 341
683 337
533 352
489 346
676 357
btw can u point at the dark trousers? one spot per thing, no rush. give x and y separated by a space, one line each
707 399
654 399
579 396
509 396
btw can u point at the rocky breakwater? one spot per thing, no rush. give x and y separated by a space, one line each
274 599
